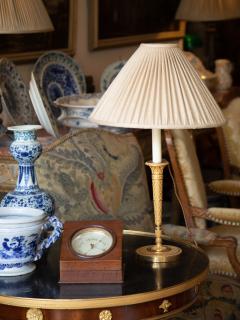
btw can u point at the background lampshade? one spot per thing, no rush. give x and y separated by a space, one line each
24 16
158 88
208 10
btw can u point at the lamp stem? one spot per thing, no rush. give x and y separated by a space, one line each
157 184
156 146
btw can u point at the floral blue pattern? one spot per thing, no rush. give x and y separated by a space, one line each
24 235
19 247
14 94
26 149
57 74
110 73
10 266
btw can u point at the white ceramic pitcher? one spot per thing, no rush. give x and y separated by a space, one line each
223 69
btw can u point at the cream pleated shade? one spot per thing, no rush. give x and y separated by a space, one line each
24 16
208 10
158 88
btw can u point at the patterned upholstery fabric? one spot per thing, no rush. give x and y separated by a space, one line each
219 299
191 171
95 174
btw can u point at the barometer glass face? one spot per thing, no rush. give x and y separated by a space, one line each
92 242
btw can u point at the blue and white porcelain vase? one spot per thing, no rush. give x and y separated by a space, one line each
26 149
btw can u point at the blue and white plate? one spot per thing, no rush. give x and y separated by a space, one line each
57 75
110 73
42 108
14 95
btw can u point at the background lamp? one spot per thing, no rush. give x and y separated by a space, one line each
24 16
158 89
208 11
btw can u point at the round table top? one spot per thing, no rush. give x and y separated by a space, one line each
143 281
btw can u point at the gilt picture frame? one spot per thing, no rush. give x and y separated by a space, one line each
118 23
28 47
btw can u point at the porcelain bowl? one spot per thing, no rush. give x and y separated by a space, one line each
78 107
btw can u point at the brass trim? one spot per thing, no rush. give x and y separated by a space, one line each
168 254
172 313
165 305
105 315
34 314
152 235
109 301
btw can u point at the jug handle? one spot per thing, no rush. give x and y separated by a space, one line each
54 234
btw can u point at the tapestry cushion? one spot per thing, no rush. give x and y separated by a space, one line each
95 174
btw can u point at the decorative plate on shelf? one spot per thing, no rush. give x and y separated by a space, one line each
57 75
42 108
14 96
110 73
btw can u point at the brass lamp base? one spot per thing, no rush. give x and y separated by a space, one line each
167 253
158 252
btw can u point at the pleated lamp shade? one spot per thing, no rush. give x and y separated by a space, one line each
158 88
24 16
208 10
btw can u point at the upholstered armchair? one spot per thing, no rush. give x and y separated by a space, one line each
229 142
96 174
220 241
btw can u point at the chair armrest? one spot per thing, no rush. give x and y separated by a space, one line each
226 187
230 244
229 216
206 238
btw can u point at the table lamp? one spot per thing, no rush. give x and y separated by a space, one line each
208 11
24 16
158 89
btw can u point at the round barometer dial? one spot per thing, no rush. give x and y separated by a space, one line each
92 242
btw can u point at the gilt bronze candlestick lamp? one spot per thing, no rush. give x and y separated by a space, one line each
158 89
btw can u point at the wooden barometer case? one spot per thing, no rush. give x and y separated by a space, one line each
91 252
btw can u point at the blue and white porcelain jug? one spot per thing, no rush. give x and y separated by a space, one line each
25 233
26 149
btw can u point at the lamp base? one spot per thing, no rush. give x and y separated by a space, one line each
166 254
